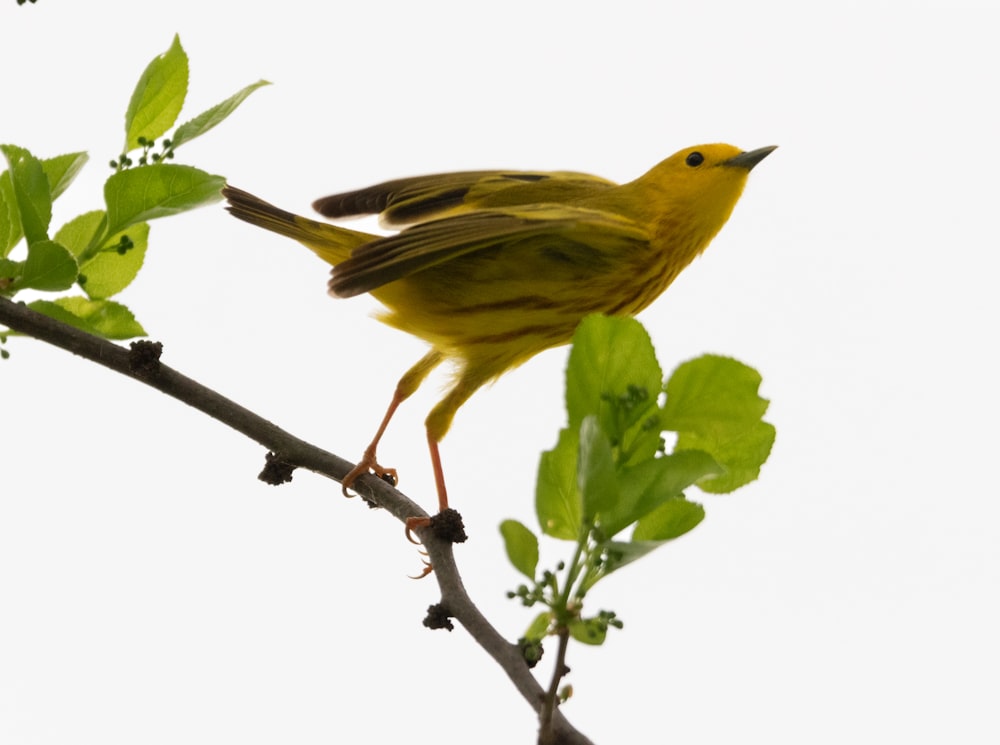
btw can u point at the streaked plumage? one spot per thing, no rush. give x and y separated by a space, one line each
492 267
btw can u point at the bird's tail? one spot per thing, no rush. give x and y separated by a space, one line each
331 243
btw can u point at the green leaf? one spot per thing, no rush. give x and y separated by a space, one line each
105 269
215 115
641 440
141 194
634 482
619 554
109 271
53 310
712 392
596 471
10 220
648 485
59 172
103 318
557 497
10 273
32 198
522 547
671 519
82 231
158 96
588 630
609 356
62 169
742 455
539 627
677 472
713 405
49 266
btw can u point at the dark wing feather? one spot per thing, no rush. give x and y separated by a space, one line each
436 192
422 246
414 200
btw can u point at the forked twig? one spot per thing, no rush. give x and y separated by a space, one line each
142 363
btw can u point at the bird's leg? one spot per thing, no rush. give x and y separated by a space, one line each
413 523
438 423
432 445
409 383
368 461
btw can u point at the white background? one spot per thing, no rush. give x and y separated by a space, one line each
153 591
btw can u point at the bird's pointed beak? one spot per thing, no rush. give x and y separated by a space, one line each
751 158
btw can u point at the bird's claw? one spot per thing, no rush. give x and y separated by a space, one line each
366 464
428 568
415 523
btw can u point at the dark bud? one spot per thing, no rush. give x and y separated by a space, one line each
144 358
448 526
438 618
276 470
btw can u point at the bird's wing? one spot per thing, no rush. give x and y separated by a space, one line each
409 201
549 236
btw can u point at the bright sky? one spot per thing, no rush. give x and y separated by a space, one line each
153 591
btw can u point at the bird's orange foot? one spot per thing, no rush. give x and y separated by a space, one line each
446 525
366 464
416 523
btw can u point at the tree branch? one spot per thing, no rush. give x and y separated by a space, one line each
455 601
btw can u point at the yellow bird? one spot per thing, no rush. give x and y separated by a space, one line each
492 267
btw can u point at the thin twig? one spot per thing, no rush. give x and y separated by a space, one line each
546 733
296 452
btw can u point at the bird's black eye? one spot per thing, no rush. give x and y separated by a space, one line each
695 159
